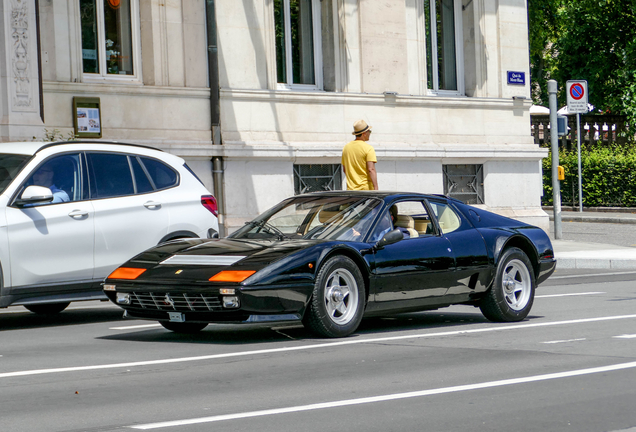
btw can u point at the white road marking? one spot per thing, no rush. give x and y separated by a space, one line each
385 398
626 336
350 341
135 327
571 294
564 341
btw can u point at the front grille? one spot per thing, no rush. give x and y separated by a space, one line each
175 302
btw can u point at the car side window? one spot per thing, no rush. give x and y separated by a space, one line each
142 182
110 175
384 226
447 219
412 215
161 174
62 174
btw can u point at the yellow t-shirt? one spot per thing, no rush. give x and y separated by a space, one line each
355 156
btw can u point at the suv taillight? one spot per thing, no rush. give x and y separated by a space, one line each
209 202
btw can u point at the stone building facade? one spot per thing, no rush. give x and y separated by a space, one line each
432 77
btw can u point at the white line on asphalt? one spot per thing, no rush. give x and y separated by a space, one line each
385 398
135 327
588 275
564 341
350 341
626 336
571 294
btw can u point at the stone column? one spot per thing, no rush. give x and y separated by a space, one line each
19 75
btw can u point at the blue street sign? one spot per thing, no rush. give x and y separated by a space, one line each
516 77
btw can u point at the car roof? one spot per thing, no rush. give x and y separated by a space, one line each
383 195
32 147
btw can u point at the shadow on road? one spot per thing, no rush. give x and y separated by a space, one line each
243 334
17 318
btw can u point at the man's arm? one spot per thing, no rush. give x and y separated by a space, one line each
372 174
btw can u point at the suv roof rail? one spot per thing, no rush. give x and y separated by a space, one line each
53 144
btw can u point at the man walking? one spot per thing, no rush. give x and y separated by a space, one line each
358 159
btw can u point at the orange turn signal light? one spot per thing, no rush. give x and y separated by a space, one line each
232 276
126 273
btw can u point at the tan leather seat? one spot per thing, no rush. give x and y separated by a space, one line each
406 221
422 226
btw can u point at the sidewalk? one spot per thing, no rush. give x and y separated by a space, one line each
572 254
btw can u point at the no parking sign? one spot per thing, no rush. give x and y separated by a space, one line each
576 92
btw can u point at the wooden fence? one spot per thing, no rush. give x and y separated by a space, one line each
606 129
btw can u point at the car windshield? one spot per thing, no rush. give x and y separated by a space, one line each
10 166
347 218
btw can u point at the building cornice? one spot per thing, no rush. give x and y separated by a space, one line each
125 89
321 97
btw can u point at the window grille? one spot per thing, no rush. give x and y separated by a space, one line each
465 183
315 178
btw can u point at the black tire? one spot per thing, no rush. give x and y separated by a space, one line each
511 296
183 327
47 308
337 302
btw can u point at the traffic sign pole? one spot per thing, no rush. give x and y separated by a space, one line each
554 140
578 150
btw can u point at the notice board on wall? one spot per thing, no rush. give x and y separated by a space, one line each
87 117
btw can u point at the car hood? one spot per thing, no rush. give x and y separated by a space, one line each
199 260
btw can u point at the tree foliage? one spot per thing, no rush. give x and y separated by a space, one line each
593 40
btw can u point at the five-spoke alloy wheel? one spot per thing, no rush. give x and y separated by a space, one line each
512 294
338 299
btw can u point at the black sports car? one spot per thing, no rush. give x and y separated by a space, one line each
331 258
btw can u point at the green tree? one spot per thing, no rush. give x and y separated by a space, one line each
594 40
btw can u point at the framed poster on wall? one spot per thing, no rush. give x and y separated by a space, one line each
87 117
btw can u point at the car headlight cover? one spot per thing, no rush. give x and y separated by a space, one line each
232 276
126 273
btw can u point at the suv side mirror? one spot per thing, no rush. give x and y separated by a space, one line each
35 195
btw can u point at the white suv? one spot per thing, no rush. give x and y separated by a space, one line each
71 212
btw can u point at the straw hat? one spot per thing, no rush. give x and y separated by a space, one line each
360 127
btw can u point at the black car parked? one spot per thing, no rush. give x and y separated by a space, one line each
330 259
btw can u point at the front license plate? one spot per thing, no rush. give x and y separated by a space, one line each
176 317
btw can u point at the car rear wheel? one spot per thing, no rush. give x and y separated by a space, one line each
512 294
47 308
182 327
337 303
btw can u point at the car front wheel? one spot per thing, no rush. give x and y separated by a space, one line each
512 294
183 327
337 303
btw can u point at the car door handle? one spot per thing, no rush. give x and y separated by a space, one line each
152 205
78 214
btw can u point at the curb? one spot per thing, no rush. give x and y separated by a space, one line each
594 209
594 219
595 263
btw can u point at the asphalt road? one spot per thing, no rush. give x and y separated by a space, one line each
605 233
570 367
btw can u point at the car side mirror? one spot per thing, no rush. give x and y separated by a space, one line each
390 238
35 195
